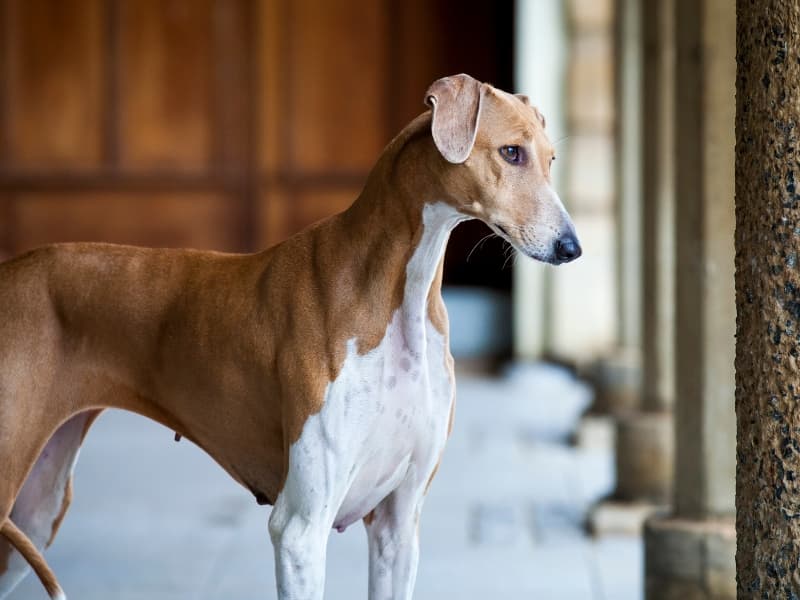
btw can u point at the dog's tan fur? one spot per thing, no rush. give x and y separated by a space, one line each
234 352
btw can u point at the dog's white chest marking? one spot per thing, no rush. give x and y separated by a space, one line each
387 415
384 420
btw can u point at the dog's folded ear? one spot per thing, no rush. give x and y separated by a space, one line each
456 105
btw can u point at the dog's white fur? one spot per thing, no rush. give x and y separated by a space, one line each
376 442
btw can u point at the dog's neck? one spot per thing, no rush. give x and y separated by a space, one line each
406 224
423 274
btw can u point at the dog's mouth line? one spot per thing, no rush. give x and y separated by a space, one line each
503 232
550 260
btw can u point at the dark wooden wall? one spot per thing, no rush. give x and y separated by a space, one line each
225 124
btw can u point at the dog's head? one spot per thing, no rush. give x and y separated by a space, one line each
497 162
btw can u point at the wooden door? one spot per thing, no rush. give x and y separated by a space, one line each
225 124
124 122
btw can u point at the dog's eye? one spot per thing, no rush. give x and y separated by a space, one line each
513 154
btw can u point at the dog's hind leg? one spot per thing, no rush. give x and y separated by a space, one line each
43 500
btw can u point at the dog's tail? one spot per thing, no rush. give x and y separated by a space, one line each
25 547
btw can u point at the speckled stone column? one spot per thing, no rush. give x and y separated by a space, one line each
768 298
690 553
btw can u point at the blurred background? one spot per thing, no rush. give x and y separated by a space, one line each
232 124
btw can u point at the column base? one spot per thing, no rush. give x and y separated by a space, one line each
644 454
596 432
644 457
688 559
615 517
617 382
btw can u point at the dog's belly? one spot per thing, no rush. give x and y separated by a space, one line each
385 419
370 487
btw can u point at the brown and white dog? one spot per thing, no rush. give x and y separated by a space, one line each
317 372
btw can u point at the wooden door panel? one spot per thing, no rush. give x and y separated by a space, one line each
193 220
337 59
273 217
273 126
417 33
282 106
234 94
6 225
433 42
54 88
283 213
166 84
316 204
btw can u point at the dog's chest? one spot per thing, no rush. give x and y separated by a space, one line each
385 418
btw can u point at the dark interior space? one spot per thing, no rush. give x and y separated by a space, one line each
478 41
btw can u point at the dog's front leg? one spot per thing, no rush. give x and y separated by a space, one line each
393 537
300 540
304 511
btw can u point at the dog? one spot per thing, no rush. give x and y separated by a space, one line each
317 373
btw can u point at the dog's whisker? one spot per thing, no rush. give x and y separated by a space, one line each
561 139
480 243
505 262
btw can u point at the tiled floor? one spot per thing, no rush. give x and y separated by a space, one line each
155 520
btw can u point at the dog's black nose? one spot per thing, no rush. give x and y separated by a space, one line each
567 249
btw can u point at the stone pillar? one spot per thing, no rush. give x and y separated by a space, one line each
593 191
565 63
768 299
581 319
644 446
689 554
658 207
617 375
540 69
